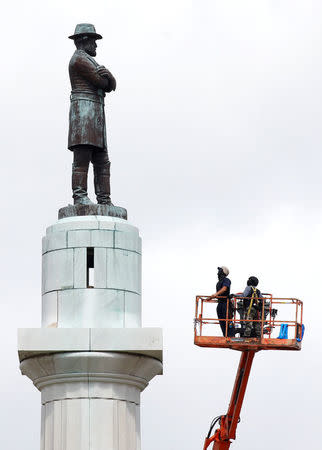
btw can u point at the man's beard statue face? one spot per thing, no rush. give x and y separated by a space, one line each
90 46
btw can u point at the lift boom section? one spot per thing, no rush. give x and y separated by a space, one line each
228 423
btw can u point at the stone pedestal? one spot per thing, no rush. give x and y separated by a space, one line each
91 273
91 358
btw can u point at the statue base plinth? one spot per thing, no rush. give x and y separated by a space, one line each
92 210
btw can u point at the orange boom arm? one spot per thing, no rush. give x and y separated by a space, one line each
228 423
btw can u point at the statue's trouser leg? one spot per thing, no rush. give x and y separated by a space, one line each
101 166
82 158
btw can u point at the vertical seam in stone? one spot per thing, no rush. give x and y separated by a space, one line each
44 425
114 425
118 424
89 421
74 267
124 310
105 274
106 268
57 309
42 274
88 391
61 425
140 276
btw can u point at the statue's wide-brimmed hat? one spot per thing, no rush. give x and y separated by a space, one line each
85 29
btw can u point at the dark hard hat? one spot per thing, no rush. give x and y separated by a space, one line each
85 29
252 281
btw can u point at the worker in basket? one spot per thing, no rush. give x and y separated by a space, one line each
223 293
252 305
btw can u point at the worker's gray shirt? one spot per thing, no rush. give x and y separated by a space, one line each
249 291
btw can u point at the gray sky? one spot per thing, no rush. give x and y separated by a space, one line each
214 136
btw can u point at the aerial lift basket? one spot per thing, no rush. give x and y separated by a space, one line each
276 334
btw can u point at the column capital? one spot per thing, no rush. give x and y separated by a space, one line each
105 375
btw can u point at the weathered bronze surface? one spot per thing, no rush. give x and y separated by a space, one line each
92 210
87 129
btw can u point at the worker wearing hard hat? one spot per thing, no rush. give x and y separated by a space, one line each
222 293
252 304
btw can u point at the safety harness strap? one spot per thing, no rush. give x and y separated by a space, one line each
254 297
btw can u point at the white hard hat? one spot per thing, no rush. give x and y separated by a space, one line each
224 269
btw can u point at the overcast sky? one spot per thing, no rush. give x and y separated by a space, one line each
214 135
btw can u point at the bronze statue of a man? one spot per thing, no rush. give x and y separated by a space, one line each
87 131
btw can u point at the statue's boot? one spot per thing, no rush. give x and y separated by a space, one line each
102 183
79 186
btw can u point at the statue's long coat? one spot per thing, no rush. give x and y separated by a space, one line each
86 115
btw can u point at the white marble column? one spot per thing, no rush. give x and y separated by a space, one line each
90 400
91 359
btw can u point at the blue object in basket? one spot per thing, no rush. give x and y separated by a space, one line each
283 331
302 334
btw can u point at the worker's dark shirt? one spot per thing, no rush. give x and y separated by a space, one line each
221 283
